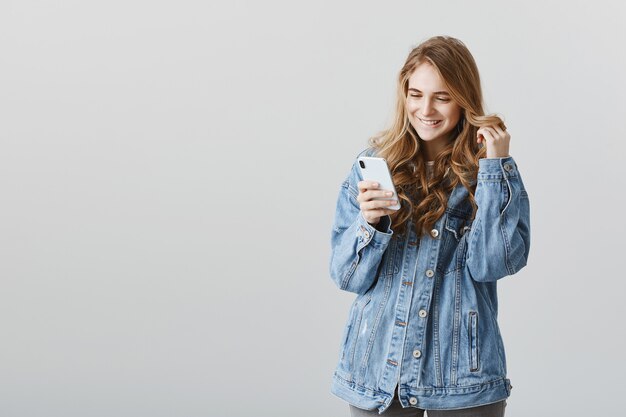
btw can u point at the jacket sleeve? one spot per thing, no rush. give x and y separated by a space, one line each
357 247
499 239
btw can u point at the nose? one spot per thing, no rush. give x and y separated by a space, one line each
427 107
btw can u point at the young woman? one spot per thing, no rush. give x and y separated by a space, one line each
422 333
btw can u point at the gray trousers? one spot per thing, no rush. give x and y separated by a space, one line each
396 410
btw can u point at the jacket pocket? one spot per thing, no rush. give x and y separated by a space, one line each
472 327
352 330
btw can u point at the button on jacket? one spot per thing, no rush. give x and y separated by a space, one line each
424 320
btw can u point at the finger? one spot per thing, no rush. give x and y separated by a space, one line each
498 129
371 194
366 185
501 132
366 194
495 133
486 134
480 133
379 204
380 213
491 130
386 211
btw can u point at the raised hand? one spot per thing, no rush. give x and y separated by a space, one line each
496 140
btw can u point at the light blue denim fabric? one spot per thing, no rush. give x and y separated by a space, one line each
424 320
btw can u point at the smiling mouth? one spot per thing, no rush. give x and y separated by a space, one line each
430 123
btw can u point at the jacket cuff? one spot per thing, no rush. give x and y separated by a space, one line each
368 234
497 168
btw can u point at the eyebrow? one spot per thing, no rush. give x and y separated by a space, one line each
436 92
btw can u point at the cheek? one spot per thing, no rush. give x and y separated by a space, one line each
454 115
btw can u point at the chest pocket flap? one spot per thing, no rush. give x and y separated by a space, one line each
457 225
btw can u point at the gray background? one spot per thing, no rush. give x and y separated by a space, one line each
169 172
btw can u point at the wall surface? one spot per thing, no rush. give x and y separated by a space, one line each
168 177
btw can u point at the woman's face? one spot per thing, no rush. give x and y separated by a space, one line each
430 108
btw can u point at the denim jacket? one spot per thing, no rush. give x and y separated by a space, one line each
424 320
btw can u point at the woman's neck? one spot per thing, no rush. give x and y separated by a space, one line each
432 148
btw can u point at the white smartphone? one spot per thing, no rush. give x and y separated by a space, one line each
376 169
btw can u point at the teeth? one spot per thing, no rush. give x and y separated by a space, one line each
430 122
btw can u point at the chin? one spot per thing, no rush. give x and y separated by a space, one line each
428 136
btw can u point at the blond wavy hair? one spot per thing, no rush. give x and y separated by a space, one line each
422 199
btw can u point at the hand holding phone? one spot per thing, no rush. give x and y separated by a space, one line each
377 194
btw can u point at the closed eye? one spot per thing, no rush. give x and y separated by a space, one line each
440 98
